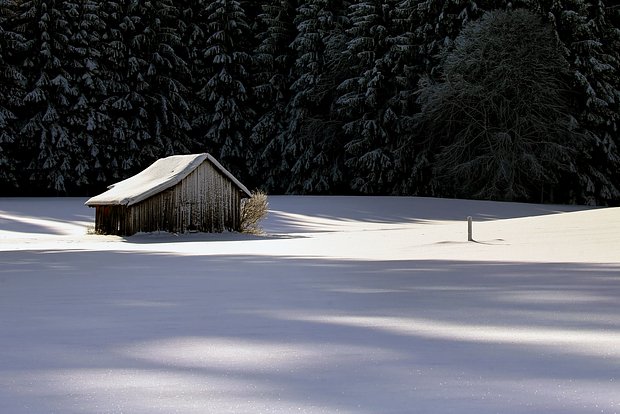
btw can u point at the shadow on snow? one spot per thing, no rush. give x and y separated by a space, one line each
358 336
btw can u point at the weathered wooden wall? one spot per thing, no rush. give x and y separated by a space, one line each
206 200
111 219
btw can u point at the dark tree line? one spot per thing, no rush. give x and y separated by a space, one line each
514 100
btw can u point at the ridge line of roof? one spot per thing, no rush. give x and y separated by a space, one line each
157 184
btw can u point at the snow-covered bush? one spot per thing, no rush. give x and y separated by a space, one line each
253 211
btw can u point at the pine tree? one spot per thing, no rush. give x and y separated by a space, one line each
45 139
145 80
412 159
312 147
224 87
11 95
193 29
123 67
167 74
368 102
85 121
273 60
591 46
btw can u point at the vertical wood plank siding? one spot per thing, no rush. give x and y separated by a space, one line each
206 200
111 219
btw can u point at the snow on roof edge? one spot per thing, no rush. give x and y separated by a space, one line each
142 186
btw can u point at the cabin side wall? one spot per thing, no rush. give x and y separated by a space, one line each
206 200
111 220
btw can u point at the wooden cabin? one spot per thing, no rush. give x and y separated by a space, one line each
176 194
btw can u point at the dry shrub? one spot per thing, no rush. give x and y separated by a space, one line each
253 211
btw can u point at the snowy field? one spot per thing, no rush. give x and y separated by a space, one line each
346 305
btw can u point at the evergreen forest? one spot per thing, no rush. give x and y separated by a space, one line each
492 99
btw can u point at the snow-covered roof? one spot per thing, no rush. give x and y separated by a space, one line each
161 175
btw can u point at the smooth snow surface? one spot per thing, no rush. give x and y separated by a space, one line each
161 175
346 305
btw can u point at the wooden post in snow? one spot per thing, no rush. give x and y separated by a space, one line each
469 229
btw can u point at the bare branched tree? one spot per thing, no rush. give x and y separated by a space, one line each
500 117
